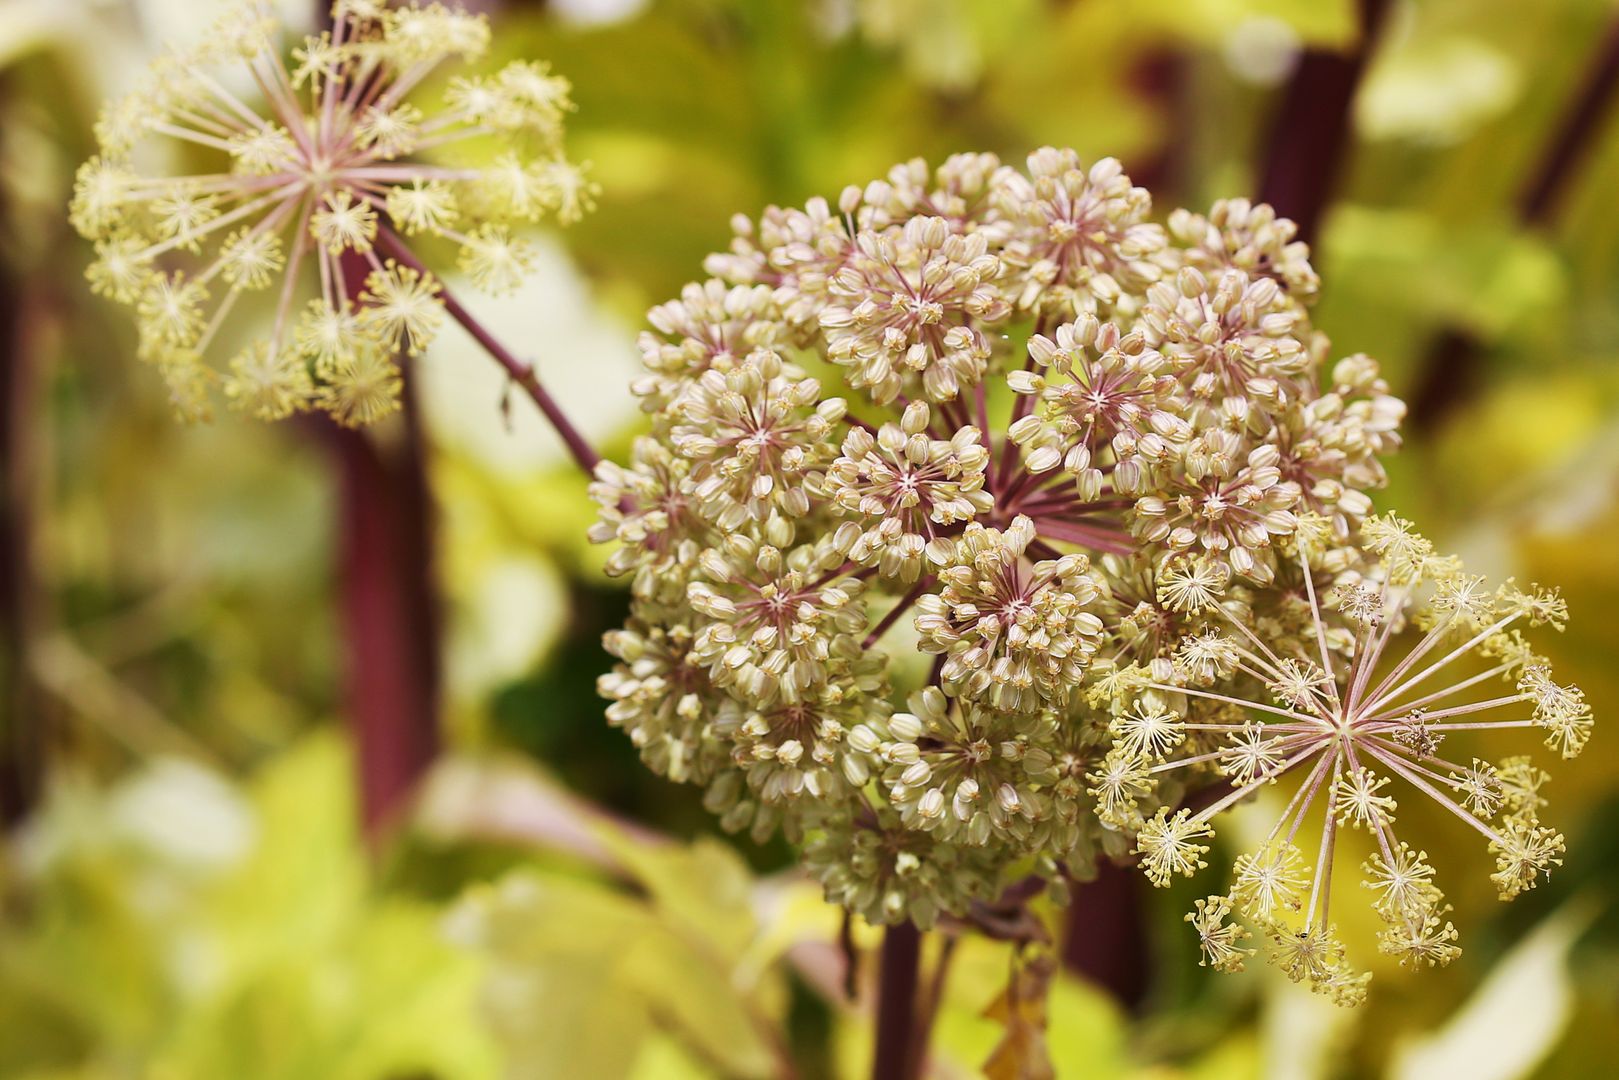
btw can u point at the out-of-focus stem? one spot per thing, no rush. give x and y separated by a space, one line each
1585 115
521 372
22 705
1310 134
1159 78
389 604
897 611
1106 937
24 720
896 1056
1445 377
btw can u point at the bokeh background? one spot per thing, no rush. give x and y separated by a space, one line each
303 773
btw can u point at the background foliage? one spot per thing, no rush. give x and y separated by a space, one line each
190 894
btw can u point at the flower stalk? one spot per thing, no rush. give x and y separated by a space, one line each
897 1055
521 372
23 732
1310 134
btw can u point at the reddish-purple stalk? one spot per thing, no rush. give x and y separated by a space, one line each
897 611
389 606
931 1001
387 591
22 705
520 371
897 1056
1569 147
1310 134
388 616
1106 938
1160 78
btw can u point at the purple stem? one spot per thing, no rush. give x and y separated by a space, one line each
389 611
1310 134
933 999
1106 939
389 603
898 976
1584 117
1159 79
521 372
23 708
898 610
1097 537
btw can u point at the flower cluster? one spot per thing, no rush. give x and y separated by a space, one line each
1367 693
1109 476
300 201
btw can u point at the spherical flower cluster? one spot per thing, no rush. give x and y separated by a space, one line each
300 201
1105 472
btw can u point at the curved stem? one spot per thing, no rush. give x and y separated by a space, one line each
897 611
521 372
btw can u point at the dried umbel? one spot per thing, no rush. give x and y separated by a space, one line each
309 192
1110 477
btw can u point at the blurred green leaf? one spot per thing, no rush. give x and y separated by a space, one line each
1514 1018
260 954
1326 23
579 974
1489 278
1435 89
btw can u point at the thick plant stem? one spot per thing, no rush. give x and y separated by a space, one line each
1446 381
389 610
521 372
389 606
1310 133
897 1056
1159 77
1105 939
22 705
932 1001
388 593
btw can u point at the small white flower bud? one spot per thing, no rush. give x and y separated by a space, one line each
905 727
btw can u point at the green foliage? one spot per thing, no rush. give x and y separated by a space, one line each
586 980
1322 23
178 927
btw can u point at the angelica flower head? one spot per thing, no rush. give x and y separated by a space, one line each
300 201
1102 477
